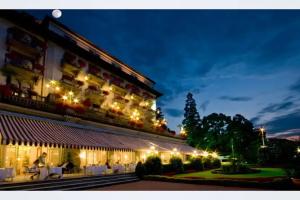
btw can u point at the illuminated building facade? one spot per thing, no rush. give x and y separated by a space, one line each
62 95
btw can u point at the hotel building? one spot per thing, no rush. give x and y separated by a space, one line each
61 94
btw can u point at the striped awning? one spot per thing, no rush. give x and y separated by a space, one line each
21 129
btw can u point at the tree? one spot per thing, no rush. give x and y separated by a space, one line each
216 137
246 140
191 121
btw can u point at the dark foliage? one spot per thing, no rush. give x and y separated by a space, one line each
153 165
191 121
176 164
196 164
140 170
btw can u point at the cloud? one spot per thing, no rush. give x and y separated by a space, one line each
174 112
277 107
204 105
295 87
229 98
283 123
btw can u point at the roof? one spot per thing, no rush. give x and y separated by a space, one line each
23 129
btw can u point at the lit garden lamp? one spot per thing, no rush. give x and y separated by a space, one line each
262 130
205 154
195 154
298 150
214 155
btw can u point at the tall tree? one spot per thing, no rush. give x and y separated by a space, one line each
191 121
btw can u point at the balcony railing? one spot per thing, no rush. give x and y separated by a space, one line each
95 115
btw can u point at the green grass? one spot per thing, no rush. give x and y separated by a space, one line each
264 173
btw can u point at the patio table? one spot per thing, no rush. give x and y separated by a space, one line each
7 173
55 170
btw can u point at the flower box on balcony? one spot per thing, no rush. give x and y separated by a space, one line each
105 92
94 70
79 83
93 88
6 90
67 78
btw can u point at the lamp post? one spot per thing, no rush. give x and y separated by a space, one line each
262 130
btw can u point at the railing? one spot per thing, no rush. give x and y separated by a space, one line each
41 104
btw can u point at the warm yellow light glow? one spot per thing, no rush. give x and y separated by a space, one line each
76 100
175 149
86 78
298 150
82 155
110 88
131 97
57 88
64 97
47 85
52 82
18 159
214 155
152 147
125 157
262 130
156 152
71 93
148 151
205 154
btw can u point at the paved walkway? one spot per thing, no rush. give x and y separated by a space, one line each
166 186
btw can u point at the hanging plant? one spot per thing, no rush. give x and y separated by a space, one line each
105 92
87 103
81 63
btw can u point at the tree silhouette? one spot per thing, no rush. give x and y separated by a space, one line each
191 121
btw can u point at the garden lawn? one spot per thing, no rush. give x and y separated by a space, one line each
264 173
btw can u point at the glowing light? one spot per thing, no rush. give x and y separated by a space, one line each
110 88
47 85
262 130
57 88
152 147
18 159
82 155
71 93
131 97
125 157
298 150
148 151
156 152
52 82
86 78
205 154
64 97
214 155
76 100
174 149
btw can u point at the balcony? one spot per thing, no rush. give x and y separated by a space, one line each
25 43
8 96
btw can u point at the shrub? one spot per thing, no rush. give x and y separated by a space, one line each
235 168
140 170
153 165
176 164
196 164
216 163
207 164
167 168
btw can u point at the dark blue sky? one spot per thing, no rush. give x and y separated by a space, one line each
245 62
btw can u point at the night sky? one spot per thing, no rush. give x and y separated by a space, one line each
245 62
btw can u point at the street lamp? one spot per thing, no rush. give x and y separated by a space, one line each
262 130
